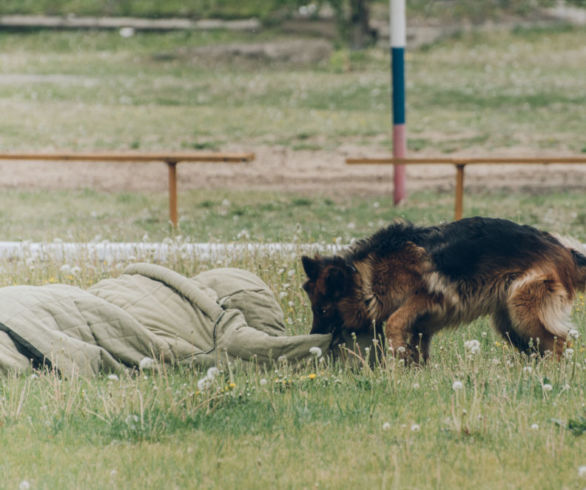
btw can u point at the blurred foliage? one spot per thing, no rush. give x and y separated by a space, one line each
473 10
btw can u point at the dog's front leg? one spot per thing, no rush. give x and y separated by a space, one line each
404 343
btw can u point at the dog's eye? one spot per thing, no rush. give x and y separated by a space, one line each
323 311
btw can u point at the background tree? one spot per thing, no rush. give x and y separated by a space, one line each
353 20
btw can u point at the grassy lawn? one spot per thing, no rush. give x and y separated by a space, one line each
222 216
516 422
314 425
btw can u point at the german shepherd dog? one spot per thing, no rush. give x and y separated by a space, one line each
411 282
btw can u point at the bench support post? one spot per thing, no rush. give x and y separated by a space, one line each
459 205
172 192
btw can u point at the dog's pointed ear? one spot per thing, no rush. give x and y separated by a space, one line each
311 266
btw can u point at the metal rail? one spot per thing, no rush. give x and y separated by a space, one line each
460 164
171 159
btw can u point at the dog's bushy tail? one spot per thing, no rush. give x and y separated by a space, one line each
580 260
579 255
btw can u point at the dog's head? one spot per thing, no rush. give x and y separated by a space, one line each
333 293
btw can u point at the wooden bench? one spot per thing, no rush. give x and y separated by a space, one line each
460 164
171 159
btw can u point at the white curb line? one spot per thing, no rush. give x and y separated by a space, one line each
161 252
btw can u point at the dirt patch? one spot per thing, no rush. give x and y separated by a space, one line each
294 51
282 169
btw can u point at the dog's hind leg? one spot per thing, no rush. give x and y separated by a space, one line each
538 309
504 325
419 345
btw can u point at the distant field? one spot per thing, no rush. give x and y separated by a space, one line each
519 90
142 8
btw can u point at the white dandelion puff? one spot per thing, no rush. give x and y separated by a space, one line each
534 427
263 381
243 235
65 269
574 334
415 428
582 471
204 384
547 387
569 353
24 485
386 426
457 385
146 363
315 351
113 377
472 346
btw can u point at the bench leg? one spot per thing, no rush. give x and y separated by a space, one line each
459 192
172 192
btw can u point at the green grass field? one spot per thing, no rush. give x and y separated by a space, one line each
516 422
225 216
315 425
501 91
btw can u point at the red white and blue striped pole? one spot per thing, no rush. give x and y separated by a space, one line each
398 40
